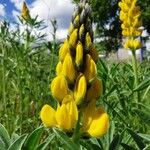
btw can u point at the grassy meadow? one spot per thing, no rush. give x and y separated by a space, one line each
27 68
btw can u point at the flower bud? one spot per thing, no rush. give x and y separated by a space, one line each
95 90
67 114
25 11
88 41
47 116
73 38
80 89
94 53
71 28
81 32
63 50
79 54
59 87
90 69
68 69
77 21
59 68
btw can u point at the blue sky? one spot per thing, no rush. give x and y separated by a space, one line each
46 10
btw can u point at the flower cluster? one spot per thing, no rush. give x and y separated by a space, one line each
130 16
76 86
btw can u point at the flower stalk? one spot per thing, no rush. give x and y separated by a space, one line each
130 16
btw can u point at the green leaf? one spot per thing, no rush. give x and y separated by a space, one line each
115 142
145 136
143 85
137 139
17 144
127 147
33 139
143 114
44 145
67 141
4 136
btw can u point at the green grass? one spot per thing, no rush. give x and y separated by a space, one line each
26 72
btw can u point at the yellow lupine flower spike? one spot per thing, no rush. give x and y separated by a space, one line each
80 89
79 54
59 87
90 69
68 69
67 114
47 116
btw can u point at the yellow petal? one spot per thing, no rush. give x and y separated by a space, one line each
79 54
47 116
59 87
80 89
71 28
67 114
63 51
99 124
90 69
59 68
73 38
68 69
25 11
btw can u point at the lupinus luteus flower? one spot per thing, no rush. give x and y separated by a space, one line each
131 23
25 14
76 86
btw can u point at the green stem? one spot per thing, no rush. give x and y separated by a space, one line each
76 134
135 69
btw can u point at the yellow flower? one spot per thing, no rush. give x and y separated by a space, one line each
77 21
63 51
25 11
67 114
90 69
68 69
95 91
59 87
132 44
73 38
47 116
88 41
94 53
95 120
59 68
79 54
80 89
81 31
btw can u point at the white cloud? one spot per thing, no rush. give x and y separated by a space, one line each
2 10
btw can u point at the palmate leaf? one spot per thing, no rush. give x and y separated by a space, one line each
17 144
33 139
4 137
137 139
